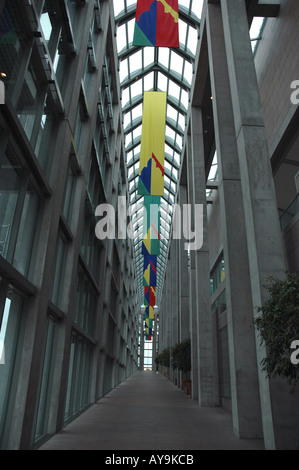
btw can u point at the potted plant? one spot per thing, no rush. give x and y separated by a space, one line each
278 325
163 359
181 359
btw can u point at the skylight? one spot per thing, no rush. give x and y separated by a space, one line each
160 69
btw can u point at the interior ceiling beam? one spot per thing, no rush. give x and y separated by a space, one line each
264 8
130 49
138 74
171 100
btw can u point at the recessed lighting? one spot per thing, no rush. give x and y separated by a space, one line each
3 74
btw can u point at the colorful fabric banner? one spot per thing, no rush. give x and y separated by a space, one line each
150 270
151 246
148 331
148 323
150 296
149 312
152 151
157 23
151 226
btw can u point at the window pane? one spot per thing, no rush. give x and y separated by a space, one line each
46 382
27 231
57 288
43 143
10 182
79 376
10 339
32 96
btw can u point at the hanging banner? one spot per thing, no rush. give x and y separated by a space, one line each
157 23
148 323
150 296
151 226
150 270
152 151
149 313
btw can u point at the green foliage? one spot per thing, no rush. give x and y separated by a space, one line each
181 356
163 358
278 325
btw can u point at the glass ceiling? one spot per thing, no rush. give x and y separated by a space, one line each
158 69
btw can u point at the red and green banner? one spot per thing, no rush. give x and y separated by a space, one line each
157 23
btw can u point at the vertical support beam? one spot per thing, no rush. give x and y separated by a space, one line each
242 350
183 281
183 278
142 340
265 248
206 388
192 282
175 297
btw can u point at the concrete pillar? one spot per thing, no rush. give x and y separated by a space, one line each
242 350
192 285
183 278
206 389
264 238
183 287
174 300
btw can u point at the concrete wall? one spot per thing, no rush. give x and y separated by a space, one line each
277 65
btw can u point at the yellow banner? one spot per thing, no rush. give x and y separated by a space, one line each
152 152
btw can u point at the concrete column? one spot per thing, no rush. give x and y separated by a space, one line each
183 282
206 389
177 311
142 340
192 285
264 238
183 279
242 350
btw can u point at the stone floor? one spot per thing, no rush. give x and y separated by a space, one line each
148 412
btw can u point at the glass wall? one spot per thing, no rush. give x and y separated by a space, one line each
11 345
30 104
58 277
19 209
217 275
90 245
78 391
86 302
46 382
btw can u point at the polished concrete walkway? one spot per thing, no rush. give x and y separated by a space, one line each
147 412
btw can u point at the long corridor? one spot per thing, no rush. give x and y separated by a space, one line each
148 412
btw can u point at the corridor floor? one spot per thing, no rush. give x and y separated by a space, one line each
148 412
